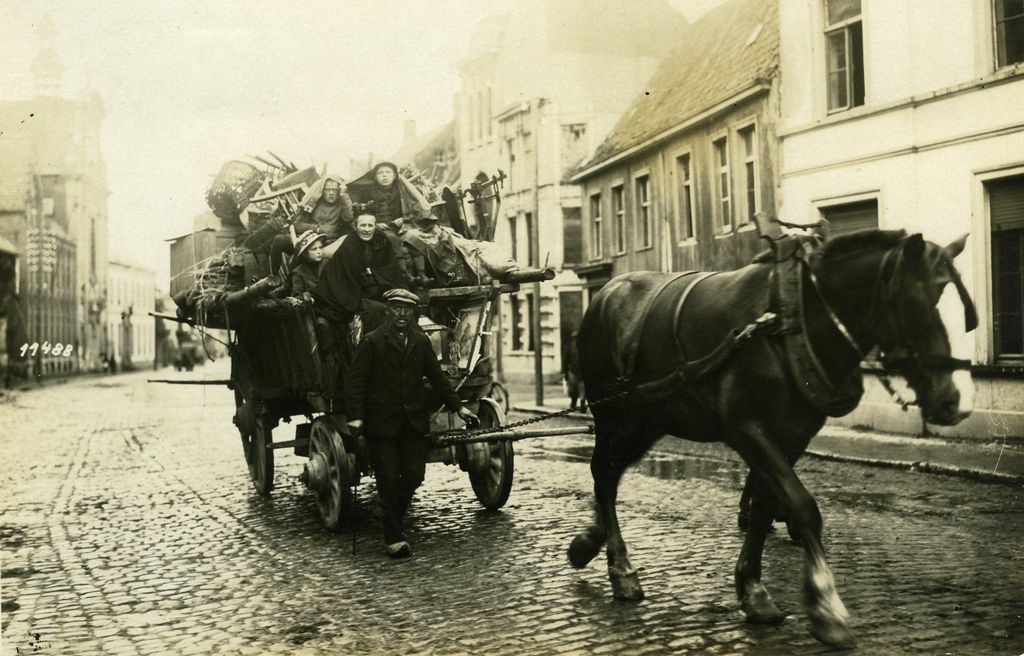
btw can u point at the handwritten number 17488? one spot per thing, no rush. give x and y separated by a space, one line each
64 350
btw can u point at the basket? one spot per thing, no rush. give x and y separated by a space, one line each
231 190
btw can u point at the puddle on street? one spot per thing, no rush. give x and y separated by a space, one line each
663 466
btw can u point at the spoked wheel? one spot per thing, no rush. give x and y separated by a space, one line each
500 395
257 437
492 479
329 474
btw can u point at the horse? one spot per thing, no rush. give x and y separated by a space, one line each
764 382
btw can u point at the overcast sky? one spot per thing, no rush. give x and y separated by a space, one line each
190 84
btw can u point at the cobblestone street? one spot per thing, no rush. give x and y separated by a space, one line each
128 526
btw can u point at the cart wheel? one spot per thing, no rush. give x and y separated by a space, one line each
329 474
493 484
259 455
500 395
257 437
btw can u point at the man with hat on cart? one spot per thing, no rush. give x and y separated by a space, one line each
385 398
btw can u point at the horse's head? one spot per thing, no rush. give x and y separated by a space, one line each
926 314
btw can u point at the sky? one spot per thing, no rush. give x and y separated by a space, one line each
189 85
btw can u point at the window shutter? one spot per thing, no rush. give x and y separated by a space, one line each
852 217
1006 203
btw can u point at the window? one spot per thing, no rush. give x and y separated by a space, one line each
531 307
1006 208
596 236
850 217
684 178
722 166
474 119
619 215
515 305
1009 32
844 53
488 113
513 236
748 137
643 209
531 257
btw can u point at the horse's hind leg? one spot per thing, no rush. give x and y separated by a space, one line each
754 598
829 617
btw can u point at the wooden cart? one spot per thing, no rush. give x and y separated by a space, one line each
277 374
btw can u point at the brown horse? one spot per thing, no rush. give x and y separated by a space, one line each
857 292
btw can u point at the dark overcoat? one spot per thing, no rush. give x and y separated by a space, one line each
385 386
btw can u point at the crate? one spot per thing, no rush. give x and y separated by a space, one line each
189 251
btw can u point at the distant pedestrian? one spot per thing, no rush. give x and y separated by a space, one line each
571 372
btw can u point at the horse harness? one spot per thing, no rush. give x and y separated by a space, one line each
785 317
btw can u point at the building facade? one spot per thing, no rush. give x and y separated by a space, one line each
902 119
676 184
53 165
540 87
131 330
42 312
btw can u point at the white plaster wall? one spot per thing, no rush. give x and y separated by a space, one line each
911 47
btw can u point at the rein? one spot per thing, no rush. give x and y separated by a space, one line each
904 354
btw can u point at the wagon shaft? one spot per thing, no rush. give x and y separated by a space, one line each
512 435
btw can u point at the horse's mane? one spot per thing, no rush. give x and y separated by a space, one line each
846 243
871 238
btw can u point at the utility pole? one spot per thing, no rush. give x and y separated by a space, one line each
536 328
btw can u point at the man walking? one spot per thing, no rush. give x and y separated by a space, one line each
385 396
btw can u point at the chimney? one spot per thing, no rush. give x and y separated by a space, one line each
410 130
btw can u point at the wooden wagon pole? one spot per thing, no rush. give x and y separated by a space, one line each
512 435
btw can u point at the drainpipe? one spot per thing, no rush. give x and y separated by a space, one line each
538 341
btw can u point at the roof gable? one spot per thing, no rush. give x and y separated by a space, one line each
725 52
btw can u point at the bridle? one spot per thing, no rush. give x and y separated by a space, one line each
905 354
886 309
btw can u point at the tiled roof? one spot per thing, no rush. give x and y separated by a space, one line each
725 52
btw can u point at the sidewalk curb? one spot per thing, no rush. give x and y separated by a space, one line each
924 467
920 466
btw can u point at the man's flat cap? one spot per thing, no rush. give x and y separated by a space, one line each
401 296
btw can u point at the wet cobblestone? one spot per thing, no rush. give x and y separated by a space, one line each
128 526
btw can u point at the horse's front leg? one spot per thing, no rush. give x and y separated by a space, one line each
757 603
615 450
829 617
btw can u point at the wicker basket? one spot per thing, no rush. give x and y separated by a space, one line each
231 190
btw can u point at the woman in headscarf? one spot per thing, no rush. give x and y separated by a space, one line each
326 208
365 266
388 195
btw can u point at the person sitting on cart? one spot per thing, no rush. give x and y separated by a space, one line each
388 195
363 268
307 263
385 398
326 208
432 250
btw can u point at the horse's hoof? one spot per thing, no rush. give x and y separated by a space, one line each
582 550
626 585
833 634
760 608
